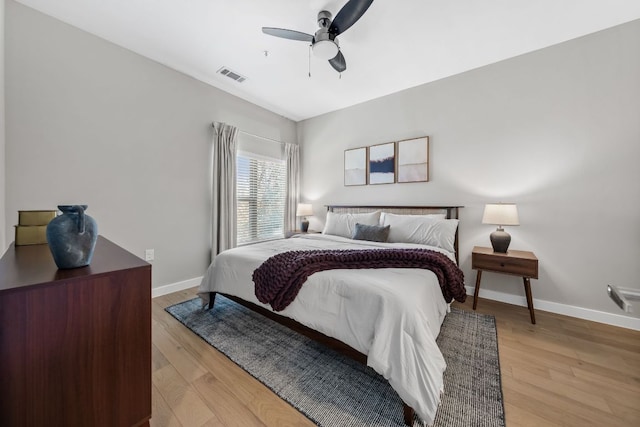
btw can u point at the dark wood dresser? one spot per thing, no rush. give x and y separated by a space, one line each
75 345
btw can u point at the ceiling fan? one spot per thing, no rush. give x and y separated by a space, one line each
324 42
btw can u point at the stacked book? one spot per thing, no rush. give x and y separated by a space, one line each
32 227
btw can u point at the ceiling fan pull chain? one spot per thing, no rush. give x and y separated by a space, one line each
310 46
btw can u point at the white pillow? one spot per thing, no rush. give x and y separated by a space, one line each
383 215
345 224
422 229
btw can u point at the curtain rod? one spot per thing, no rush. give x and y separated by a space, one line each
257 136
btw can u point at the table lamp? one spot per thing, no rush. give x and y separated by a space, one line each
304 210
500 214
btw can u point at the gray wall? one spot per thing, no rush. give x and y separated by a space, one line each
2 137
556 131
89 122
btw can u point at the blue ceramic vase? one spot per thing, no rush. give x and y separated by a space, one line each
72 237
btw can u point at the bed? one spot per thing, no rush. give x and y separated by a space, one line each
387 318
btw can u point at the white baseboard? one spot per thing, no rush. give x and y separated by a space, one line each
175 287
554 307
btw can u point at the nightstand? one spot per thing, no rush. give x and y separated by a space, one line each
516 263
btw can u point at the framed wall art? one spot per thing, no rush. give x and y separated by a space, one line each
413 160
355 166
382 163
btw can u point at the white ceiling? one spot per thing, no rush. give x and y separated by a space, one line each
394 46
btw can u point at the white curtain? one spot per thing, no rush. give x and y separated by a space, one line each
223 218
292 159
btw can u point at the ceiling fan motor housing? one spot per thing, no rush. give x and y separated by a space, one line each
324 18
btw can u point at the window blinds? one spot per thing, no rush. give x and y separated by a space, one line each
261 190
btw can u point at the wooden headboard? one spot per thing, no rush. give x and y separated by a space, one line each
451 212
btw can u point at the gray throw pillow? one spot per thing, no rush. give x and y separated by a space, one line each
373 233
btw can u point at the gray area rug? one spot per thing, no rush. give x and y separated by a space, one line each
333 390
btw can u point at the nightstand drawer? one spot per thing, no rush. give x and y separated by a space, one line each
504 264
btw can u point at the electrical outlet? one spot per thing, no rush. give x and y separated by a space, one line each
148 255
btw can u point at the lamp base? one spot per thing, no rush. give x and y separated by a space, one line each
500 240
304 225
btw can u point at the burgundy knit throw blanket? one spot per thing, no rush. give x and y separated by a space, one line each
279 279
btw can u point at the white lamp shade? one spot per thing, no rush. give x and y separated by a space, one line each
325 49
501 214
304 209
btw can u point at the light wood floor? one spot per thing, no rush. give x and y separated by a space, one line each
562 371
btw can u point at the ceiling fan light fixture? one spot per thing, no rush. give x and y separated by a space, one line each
325 49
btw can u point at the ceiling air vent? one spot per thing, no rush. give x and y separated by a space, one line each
231 74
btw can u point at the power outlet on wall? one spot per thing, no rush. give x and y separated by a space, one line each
149 254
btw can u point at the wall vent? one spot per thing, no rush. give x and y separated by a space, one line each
231 74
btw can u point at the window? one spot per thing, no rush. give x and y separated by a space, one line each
261 191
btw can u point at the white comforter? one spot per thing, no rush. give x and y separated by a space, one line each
392 315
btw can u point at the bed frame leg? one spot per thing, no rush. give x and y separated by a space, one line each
212 300
408 414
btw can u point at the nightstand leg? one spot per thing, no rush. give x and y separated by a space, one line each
477 291
527 290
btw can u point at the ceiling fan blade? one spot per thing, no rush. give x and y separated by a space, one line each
288 34
348 15
338 62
